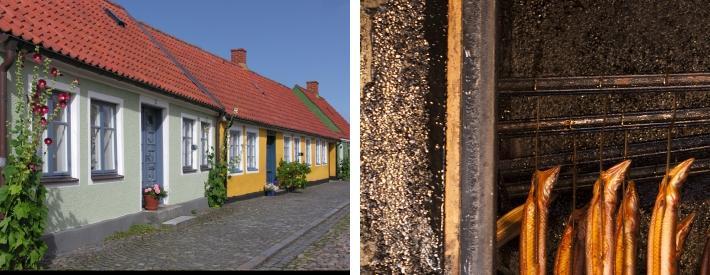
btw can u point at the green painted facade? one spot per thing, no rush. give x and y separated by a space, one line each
75 204
317 111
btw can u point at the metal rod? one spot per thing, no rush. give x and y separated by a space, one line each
537 131
649 125
670 134
619 119
601 134
574 172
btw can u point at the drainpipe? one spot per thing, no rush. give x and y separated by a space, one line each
9 58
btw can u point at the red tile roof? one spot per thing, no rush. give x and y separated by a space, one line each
81 30
258 98
329 111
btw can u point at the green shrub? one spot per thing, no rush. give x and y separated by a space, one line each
292 174
344 172
216 184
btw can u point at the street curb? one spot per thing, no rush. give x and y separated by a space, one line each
266 254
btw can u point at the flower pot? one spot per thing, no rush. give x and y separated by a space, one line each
151 203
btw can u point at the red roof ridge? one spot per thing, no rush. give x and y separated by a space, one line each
191 45
116 5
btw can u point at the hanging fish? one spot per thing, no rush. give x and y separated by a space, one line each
705 261
682 233
627 226
508 226
534 222
566 261
600 222
662 251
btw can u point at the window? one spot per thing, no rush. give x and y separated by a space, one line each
187 152
325 152
297 149
308 152
287 149
205 145
252 151
103 137
57 161
317 151
235 151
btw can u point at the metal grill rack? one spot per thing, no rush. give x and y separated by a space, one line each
590 123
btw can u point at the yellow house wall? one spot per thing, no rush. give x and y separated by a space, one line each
249 182
332 161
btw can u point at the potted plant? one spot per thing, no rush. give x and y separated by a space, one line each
152 196
270 189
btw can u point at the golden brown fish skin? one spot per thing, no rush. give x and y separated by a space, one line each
653 258
565 258
627 225
593 241
682 233
533 231
613 179
546 181
508 226
528 263
600 222
579 261
669 263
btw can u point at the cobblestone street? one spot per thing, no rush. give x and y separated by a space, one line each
236 234
331 252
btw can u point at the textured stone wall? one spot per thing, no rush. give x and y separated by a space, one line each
601 37
401 133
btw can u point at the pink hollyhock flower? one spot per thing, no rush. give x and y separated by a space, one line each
43 121
45 110
32 167
54 72
41 84
37 58
48 141
63 104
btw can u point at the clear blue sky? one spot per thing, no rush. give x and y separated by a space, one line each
289 41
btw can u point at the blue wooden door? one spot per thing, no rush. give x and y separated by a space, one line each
151 146
270 159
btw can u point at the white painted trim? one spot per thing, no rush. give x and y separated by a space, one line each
309 151
290 146
242 164
252 129
195 120
75 135
165 106
210 140
119 133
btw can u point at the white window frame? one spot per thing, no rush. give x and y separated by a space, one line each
318 149
73 128
297 148
288 148
308 155
325 152
119 133
252 130
210 138
195 133
242 164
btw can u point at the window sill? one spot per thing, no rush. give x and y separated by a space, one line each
253 170
58 180
205 168
186 170
108 177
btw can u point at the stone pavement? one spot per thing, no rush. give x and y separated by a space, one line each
331 252
220 239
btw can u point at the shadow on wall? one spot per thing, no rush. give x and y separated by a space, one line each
59 219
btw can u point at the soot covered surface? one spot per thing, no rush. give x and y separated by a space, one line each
401 137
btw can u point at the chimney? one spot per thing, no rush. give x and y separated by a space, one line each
239 57
312 87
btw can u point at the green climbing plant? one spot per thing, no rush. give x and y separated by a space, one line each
344 173
292 175
216 184
22 198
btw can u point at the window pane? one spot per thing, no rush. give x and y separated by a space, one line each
60 156
108 114
108 149
186 158
95 164
95 114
